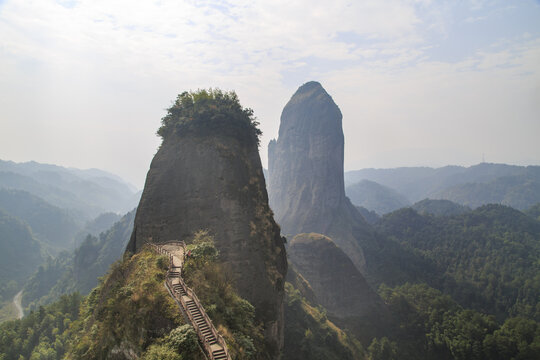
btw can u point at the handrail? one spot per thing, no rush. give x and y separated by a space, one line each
168 283
201 336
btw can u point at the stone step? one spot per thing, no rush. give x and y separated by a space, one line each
219 354
205 328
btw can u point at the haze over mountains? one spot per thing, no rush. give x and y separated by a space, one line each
515 186
85 193
47 212
429 279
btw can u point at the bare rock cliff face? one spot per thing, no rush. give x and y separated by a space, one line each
306 185
216 183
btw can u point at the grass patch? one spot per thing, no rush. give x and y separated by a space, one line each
128 312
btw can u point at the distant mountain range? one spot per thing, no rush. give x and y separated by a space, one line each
52 225
79 270
515 186
46 210
84 193
376 197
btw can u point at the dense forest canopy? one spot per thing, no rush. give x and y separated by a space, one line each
488 258
211 111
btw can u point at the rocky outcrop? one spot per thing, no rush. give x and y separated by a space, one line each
306 185
335 281
337 285
205 180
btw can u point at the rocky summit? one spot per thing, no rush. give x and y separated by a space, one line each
306 186
207 174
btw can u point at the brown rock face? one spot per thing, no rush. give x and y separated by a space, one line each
306 184
216 183
335 281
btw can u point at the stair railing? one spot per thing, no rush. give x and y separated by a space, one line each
219 339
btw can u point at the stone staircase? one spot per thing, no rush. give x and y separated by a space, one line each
212 342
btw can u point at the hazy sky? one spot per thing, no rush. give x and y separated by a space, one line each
85 83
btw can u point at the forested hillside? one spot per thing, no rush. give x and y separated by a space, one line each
50 224
433 326
488 258
439 207
20 255
78 271
534 211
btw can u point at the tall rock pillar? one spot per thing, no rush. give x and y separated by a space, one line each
207 174
306 185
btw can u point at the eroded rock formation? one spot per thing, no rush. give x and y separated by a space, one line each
205 179
306 185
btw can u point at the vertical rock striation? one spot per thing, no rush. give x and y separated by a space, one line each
306 185
209 178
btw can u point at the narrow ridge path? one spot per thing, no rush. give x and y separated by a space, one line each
213 344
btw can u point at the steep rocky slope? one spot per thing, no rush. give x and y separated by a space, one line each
335 281
306 183
338 287
207 174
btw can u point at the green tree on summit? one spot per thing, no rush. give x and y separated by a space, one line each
211 111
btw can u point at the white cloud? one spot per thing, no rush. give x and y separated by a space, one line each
86 83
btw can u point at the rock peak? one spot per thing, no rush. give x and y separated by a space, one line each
307 160
309 87
204 179
305 166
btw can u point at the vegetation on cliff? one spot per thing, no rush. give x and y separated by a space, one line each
310 335
233 316
129 311
129 315
207 174
211 111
